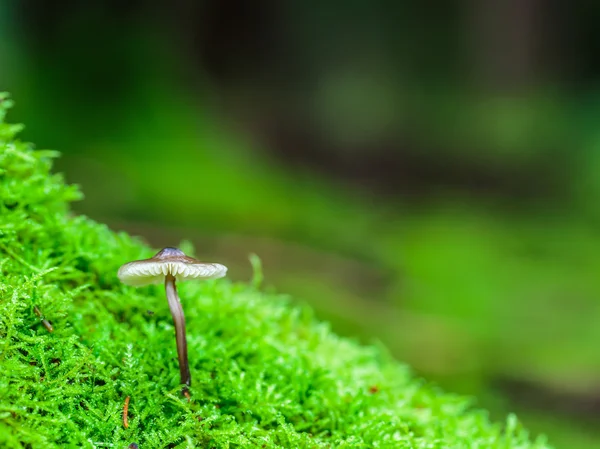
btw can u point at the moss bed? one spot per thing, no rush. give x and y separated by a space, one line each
266 373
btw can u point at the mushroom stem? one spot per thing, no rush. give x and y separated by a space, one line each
179 320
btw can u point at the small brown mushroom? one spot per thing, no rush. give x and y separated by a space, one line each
169 265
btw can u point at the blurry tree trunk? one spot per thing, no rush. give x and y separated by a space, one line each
506 43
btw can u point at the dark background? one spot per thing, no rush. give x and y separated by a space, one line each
424 174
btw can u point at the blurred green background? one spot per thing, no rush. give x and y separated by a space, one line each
425 175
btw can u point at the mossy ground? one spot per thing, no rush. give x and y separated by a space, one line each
266 374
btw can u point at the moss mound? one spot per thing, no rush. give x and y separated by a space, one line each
266 373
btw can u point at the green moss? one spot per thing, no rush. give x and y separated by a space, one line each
266 373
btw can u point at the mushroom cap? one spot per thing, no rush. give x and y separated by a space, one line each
171 261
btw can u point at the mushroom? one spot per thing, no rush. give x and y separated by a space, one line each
171 264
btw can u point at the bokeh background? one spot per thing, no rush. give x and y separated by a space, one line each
425 174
